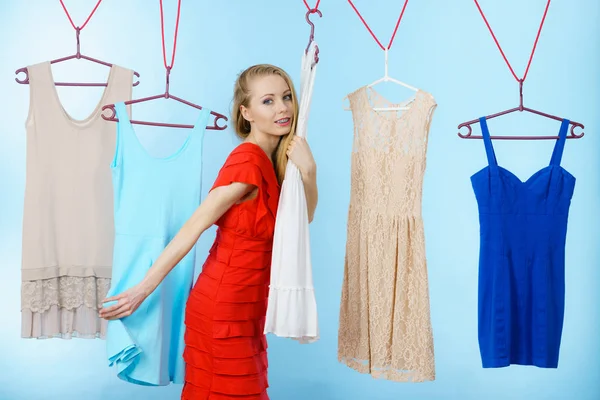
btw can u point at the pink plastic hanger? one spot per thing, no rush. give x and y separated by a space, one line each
311 38
520 108
166 94
77 55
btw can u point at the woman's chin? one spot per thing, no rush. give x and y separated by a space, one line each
279 132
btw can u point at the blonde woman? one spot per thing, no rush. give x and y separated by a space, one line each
225 348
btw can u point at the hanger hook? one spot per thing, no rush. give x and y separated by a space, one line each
219 117
77 32
111 108
24 81
312 25
137 75
168 82
576 125
520 94
468 134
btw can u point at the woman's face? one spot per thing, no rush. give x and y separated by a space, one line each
271 107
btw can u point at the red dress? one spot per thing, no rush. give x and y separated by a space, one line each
225 347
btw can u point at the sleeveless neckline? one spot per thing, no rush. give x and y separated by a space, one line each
200 125
535 175
553 165
93 116
368 91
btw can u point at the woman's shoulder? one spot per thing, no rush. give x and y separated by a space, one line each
248 163
249 150
249 158
249 154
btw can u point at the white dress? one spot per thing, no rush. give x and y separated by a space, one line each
292 308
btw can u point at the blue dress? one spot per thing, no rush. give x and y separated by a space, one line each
153 198
523 227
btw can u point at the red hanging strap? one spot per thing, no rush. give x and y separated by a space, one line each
162 31
86 21
500 48
371 32
312 10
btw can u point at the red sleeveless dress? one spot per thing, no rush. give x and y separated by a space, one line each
225 348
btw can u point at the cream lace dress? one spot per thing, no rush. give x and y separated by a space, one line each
385 326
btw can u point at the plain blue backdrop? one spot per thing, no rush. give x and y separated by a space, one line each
442 47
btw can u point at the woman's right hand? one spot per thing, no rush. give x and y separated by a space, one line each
217 202
127 303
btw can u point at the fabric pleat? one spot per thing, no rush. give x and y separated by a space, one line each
225 347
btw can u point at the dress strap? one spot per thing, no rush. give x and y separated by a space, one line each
199 131
200 125
123 125
487 141
121 111
560 143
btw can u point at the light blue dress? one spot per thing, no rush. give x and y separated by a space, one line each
153 198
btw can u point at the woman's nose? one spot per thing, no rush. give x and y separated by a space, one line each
281 107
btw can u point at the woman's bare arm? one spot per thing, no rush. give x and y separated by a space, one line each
218 201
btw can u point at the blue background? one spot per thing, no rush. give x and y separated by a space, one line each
442 47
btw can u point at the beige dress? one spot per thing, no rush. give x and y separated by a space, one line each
385 326
68 228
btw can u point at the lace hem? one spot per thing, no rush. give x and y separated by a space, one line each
388 373
66 292
56 322
284 318
63 307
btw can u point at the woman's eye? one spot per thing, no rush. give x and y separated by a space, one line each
267 101
288 97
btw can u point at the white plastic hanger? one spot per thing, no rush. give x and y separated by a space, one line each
387 78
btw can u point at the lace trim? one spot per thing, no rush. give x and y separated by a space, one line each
68 292
388 373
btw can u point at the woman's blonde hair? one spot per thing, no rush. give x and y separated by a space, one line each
241 97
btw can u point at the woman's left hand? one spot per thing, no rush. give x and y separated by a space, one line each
299 152
127 303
